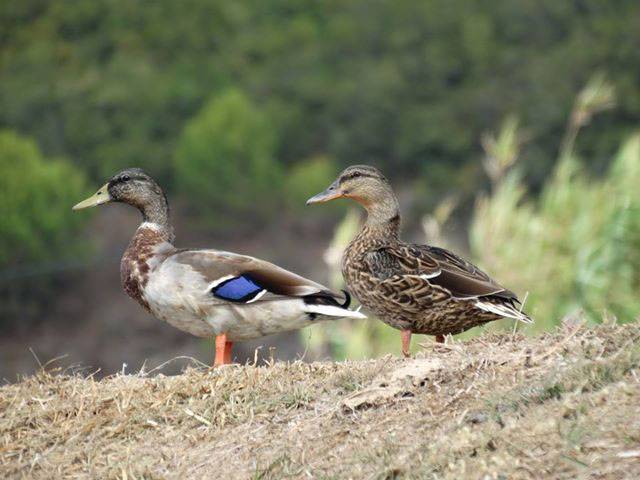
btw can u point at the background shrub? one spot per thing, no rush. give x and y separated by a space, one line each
308 178
575 246
36 196
225 160
37 226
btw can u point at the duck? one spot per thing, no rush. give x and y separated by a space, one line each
209 293
414 288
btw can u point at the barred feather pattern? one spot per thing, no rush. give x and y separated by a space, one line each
425 289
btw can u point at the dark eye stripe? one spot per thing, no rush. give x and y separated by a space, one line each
357 175
124 179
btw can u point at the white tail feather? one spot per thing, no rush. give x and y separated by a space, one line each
333 311
503 310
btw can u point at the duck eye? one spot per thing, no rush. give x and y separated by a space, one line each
125 178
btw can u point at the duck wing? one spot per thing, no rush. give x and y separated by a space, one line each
407 274
436 266
243 279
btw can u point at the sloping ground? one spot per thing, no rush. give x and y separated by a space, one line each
565 405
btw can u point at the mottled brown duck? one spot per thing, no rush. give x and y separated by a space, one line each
209 293
414 288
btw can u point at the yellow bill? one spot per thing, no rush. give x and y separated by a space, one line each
98 198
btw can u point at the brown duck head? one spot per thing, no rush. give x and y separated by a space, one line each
367 186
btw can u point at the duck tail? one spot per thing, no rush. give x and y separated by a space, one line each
347 299
329 305
503 308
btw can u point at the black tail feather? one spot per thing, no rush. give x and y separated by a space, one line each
328 299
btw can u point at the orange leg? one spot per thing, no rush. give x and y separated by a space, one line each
223 350
405 335
440 338
228 348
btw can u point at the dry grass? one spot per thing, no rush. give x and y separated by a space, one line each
500 406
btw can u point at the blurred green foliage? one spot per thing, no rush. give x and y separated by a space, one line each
410 84
36 196
225 160
575 247
36 224
307 178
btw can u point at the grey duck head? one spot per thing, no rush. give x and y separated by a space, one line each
134 187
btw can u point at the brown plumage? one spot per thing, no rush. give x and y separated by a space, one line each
414 288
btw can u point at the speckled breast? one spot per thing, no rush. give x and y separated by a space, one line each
135 265
365 287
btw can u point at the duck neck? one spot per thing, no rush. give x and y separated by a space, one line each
155 213
153 239
383 216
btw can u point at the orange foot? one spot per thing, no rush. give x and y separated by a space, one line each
405 335
223 351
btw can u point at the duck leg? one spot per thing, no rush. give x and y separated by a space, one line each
223 351
405 335
228 348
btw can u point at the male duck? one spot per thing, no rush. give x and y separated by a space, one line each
209 292
414 288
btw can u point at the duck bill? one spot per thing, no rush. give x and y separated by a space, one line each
98 198
330 193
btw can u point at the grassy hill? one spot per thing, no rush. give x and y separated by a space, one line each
562 405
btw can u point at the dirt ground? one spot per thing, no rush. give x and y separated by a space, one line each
563 405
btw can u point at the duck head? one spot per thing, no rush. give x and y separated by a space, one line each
367 186
131 186
136 188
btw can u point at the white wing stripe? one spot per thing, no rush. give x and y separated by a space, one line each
431 275
258 296
217 282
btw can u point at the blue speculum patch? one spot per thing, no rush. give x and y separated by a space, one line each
238 289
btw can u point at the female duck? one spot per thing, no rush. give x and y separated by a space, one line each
414 288
209 292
